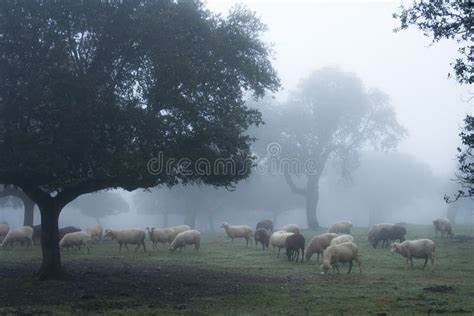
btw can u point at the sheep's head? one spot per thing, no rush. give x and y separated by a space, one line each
325 266
224 224
395 247
109 233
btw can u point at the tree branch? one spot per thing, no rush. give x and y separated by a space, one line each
292 184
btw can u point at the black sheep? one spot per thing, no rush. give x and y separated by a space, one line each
267 224
262 235
294 244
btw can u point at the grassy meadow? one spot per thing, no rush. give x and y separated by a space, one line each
226 278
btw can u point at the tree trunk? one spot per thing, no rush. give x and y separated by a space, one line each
190 218
211 222
29 206
165 219
312 199
51 266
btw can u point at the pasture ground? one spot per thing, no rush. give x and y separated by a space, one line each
230 279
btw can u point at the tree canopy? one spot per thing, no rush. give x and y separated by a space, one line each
92 91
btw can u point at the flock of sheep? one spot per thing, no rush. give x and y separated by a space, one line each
336 246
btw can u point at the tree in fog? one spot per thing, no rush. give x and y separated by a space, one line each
101 204
330 116
10 196
382 185
92 91
451 20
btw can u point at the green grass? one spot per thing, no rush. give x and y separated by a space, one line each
300 289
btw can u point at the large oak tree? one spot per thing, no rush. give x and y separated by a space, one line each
92 90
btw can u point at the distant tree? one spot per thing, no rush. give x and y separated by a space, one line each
101 204
92 91
330 116
14 197
465 175
451 20
444 19
383 184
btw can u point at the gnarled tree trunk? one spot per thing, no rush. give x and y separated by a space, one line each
51 265
312 199
29 212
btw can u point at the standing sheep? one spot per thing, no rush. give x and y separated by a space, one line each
443 225
341 238
267 224
318 244
262 235
161 235
95 231
294 244
76 239
385 233
291 228
343 227
278 240
188 237
418 249
242 231
128 236
21 234
4 229
66 230
341 253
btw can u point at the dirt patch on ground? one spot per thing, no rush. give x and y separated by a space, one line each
114 284
439 289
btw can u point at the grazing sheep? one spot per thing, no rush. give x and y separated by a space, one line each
419 249
95 231
161 235
4 228
343 227
294 244
242 231
278 240
36 233
267 224
444 226
341 253
21 234
66 230
76 239
318 243
262 235
128 236
386 233
188 237
341 238
291 228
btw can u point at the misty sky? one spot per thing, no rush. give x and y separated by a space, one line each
357 36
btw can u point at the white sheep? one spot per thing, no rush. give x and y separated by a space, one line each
128 236
95 231
4 228
341 253
278 240
175 230
318 243
76 239
343 227
291 228
342 238
443 225
21 234
419 249
161 235
242 231
188 237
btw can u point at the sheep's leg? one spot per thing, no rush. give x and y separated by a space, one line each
358 263
336 267
278 252
406 263
411 261
302 255
144 248
426 261
350 267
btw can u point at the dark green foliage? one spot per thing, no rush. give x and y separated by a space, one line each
445 19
